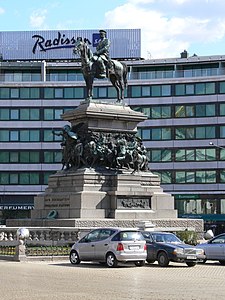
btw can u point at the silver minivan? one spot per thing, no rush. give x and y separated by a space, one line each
110 246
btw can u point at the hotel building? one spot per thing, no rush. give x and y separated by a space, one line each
183 98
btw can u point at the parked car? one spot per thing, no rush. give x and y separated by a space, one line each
215 248
110 246
165 247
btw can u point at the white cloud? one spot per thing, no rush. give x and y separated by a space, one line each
37 19
170 26
2 11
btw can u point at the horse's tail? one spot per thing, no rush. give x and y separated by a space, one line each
124 74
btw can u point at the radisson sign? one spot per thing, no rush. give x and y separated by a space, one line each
52 44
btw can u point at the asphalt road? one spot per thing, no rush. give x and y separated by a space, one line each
63 281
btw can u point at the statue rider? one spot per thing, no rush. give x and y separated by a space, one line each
101 56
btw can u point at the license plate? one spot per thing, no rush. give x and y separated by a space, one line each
191 257
134 247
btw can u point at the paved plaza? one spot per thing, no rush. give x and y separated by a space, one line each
63 281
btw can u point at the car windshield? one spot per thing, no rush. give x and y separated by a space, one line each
166 238
131 236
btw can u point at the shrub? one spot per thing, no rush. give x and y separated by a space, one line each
189 237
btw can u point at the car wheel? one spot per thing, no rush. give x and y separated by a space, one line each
163 259
111 260
222 262
150 261
191 264
74 257
139 263
203 261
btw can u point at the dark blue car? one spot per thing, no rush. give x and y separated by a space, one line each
165 247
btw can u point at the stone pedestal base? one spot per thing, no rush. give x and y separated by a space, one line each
91 194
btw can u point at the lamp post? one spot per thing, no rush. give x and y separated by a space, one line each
212 144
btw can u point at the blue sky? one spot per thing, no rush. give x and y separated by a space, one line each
168 26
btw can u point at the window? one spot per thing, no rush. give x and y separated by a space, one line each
102 92
222 109
4 135
29 157
146 111
205 88
13 178
68 93
205 110
165 176
222 154
196 206
198 132
222 87
183 111
25 93
156 112
205 132
189 89
52 114
161 112
146 134
166 90
14 93
46 176
135 91
205 154
48 93
34 93
4 93
146 91
4 114
14 135
29 114
4 157
156 92
29 136
222 206
184 133
208 176
112 92
161 133
79 93
27 178
52 156
50 137
58 93
161 155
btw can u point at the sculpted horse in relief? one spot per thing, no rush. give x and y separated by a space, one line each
116 71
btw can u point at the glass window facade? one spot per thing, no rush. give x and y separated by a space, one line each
183 117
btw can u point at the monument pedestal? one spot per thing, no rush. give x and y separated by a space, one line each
90 194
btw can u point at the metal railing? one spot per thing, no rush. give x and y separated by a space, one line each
133 75
42 242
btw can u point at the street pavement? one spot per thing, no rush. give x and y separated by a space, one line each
63 281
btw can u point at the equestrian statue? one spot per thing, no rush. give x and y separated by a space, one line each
99 65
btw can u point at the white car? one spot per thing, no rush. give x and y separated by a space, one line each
215 248
110 246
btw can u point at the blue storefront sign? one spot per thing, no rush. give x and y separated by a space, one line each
209 217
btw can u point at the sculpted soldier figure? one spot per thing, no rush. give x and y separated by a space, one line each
101 56
68 145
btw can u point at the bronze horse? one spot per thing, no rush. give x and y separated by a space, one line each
116 71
